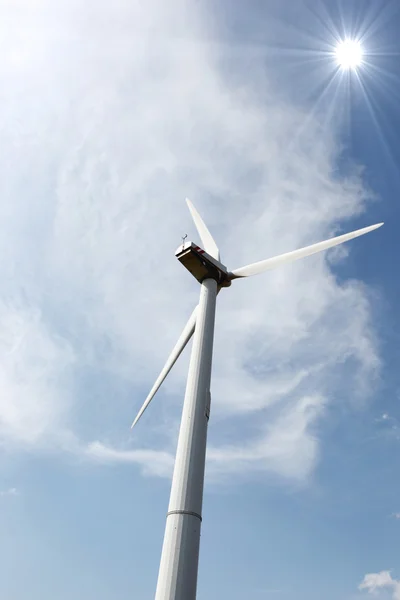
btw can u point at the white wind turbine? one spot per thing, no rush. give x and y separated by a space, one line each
177 578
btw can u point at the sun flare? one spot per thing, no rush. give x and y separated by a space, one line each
349 54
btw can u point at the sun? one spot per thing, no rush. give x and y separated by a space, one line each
349 54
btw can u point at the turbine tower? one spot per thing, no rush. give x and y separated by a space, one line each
177 578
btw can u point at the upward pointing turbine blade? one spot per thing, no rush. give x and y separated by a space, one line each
207 239
171 360
277 261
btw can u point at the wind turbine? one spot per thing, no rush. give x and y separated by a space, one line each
177 578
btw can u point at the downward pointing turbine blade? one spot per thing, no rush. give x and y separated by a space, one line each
173 357
277 261
208 241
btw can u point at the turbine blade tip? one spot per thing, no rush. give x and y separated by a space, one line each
376 226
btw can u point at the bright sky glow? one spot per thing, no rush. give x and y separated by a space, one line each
349 54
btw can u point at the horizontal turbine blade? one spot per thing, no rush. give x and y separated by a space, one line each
173 357
207 239
277 261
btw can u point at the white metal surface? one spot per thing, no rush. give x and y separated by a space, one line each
171 360
277 261
208 241
177 579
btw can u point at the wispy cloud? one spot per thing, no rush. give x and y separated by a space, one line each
153 462
9 492
286 447
269 592
388 426
34 368
374 582
106 128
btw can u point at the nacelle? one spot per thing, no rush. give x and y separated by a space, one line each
201 265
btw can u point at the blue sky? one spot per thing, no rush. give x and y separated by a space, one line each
112 113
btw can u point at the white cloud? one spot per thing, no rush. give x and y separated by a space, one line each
374 582
286 447
152 462
9 492
107 126
388 426
34 365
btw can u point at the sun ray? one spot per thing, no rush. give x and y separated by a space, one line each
376 117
